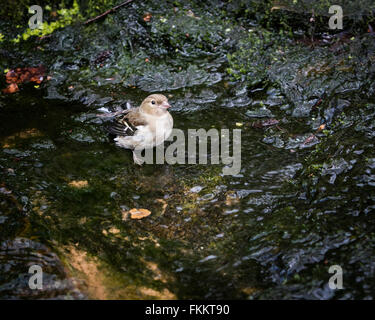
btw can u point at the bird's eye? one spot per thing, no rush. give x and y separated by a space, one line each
153 101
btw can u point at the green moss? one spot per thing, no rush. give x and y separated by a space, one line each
66 17
256 53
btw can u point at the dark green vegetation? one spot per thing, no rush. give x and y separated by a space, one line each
304 199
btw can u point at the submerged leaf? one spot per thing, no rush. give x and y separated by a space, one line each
12 88
139 213
78 184
21 75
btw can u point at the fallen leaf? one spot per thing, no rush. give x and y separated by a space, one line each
11 76
78 184
147 17
139 213
114 230
12 88
21 75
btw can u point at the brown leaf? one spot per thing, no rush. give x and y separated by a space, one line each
114 230
21 75
11 76
12 88
78 184
139 213
147 17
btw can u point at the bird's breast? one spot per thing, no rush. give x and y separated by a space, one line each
162 128
158 129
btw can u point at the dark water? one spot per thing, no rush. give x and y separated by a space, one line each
255 234
303 201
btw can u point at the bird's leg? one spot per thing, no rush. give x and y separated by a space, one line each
137 160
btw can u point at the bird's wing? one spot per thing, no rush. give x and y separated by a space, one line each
126 124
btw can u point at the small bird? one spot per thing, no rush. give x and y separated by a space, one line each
144 127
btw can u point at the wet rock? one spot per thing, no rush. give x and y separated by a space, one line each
259 113
17 256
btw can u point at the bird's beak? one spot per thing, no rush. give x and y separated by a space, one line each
165 105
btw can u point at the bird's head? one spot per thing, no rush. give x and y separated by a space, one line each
155 104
